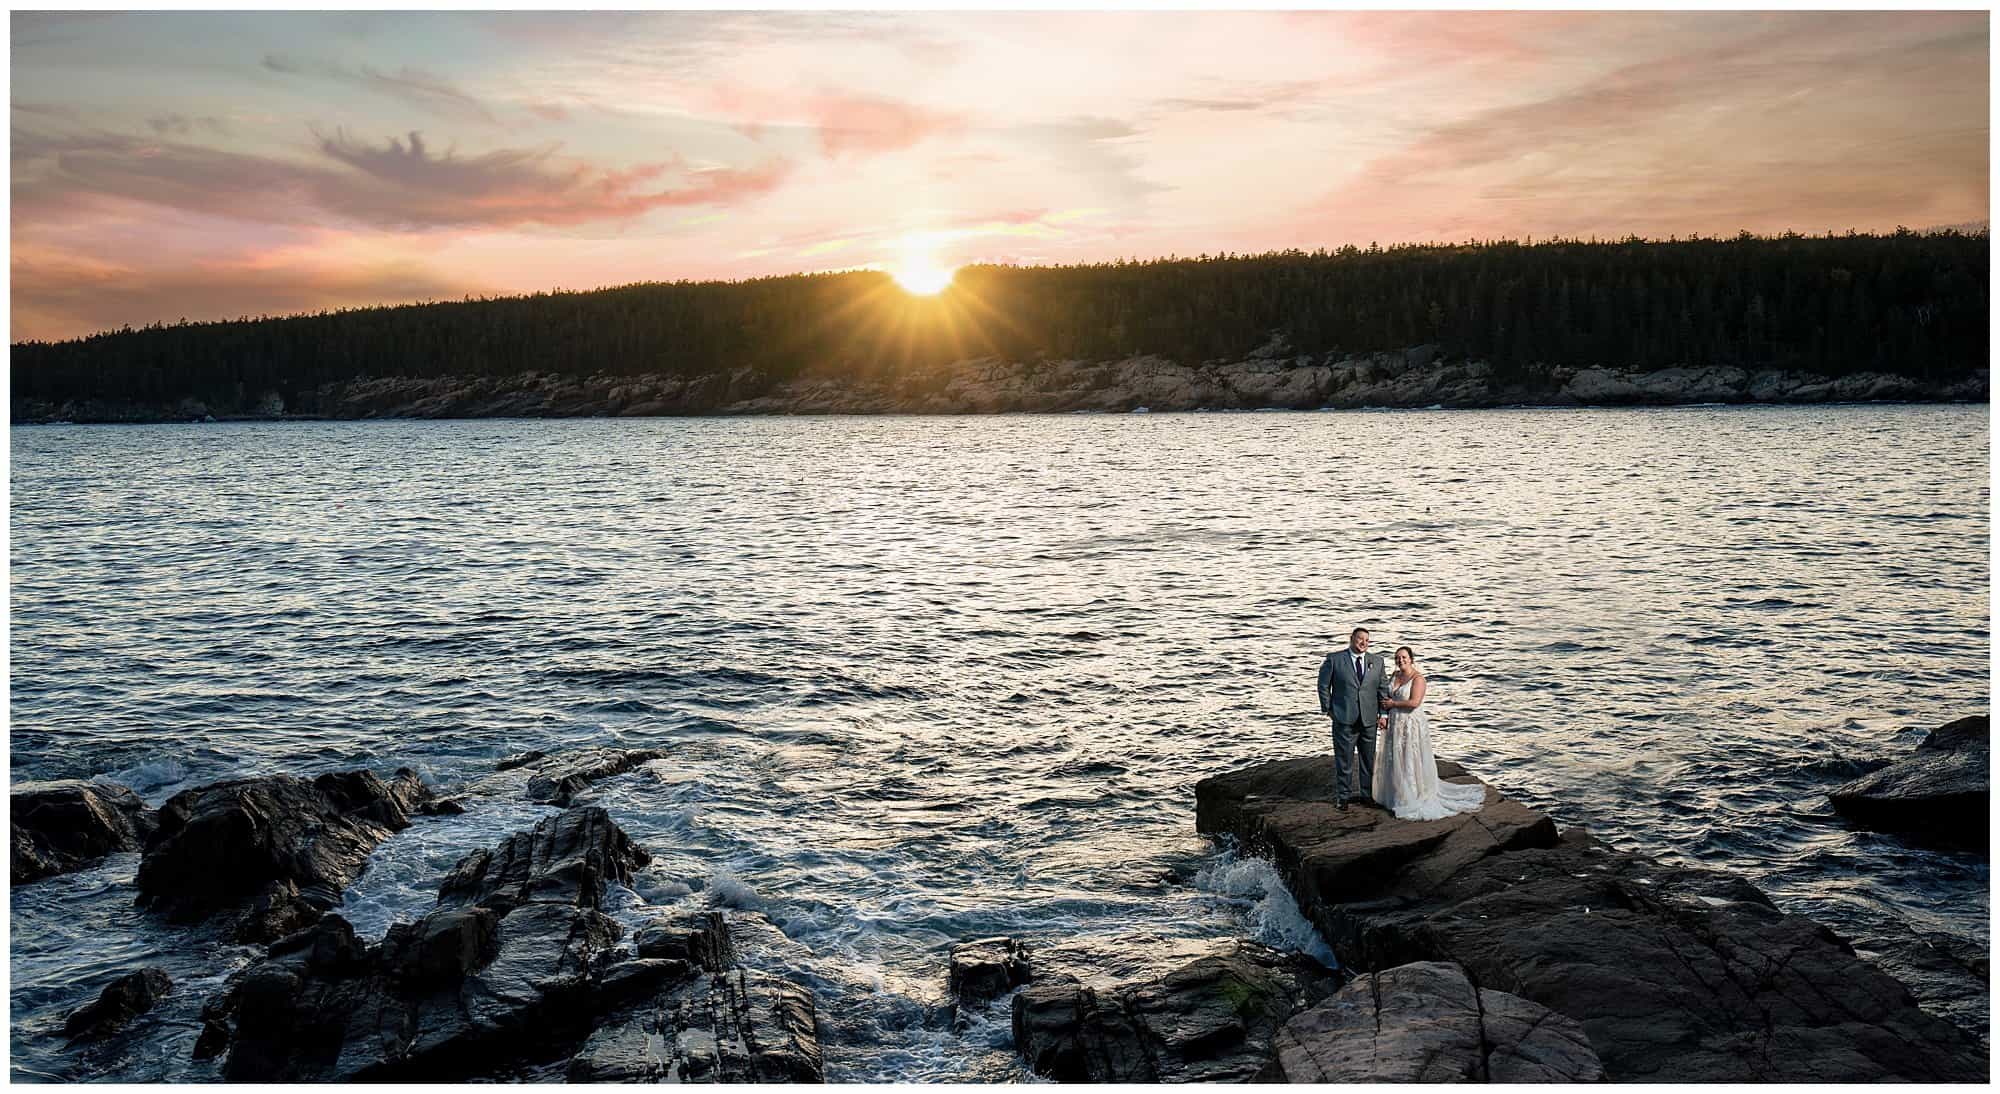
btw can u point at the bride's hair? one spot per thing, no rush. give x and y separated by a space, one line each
1408 650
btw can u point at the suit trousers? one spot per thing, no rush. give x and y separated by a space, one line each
1352 741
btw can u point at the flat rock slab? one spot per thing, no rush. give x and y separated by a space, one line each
60 826
558 779
1426 1022
1212 1020
1674 974
740 1026
1940 792
278 850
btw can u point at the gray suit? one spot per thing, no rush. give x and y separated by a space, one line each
1354 703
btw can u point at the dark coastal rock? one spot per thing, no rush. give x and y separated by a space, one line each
701 939
1426 1022
277 850
517 967
515 962
126 998
564 859
985 968
1950 977
1680 974
519 759
1939 793
739 1026
1212 1020
557 780
59 826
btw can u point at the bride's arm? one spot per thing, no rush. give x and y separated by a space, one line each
1416 693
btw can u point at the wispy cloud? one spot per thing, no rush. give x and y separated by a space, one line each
397 184
423 90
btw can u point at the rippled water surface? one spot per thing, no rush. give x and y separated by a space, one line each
926 679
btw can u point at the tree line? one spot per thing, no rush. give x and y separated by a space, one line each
1908 303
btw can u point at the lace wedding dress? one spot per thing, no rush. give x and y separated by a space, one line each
1406 777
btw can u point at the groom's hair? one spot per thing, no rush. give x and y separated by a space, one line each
1355 632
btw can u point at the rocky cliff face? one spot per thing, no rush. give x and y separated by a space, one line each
1413 378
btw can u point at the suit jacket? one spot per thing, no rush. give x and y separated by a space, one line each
1347 699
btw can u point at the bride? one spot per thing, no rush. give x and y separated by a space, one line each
1406 778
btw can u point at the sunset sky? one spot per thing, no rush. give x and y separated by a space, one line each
171 165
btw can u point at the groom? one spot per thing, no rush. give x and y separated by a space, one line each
1352 685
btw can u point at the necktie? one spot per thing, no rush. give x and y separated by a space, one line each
1357 667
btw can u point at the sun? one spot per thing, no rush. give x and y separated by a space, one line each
921 274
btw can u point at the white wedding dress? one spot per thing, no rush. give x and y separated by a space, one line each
1406 775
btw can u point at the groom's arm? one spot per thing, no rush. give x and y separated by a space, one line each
1326 685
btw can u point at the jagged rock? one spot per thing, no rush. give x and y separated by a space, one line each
566 859
277 849
519 759
702 939
516 961
557 780
986 968
443 807
1426 1023
1681 974
59 826
735 1027
1212 1020
1939 793
126 998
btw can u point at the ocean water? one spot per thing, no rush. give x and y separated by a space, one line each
925 679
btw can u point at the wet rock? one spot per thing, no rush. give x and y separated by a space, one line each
1939 793
1950 977
59 826
737 1027
565 859
519 759
557 780
1212 1020
125 999
1427 1023
701 939
278 850
986 968
516 962
443 807
1681 974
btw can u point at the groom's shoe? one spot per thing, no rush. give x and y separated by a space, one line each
1340 804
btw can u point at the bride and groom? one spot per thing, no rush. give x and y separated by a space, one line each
1356 691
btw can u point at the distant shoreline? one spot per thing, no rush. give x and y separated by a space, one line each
1412 380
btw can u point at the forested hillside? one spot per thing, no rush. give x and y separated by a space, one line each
1909 304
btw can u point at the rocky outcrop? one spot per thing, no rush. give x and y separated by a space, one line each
59 826
275 851
124 999
1673 973
1940 793
986 968
1212 1020
517 966
1426 1022
557 780
737 1026
1271 378
564 859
